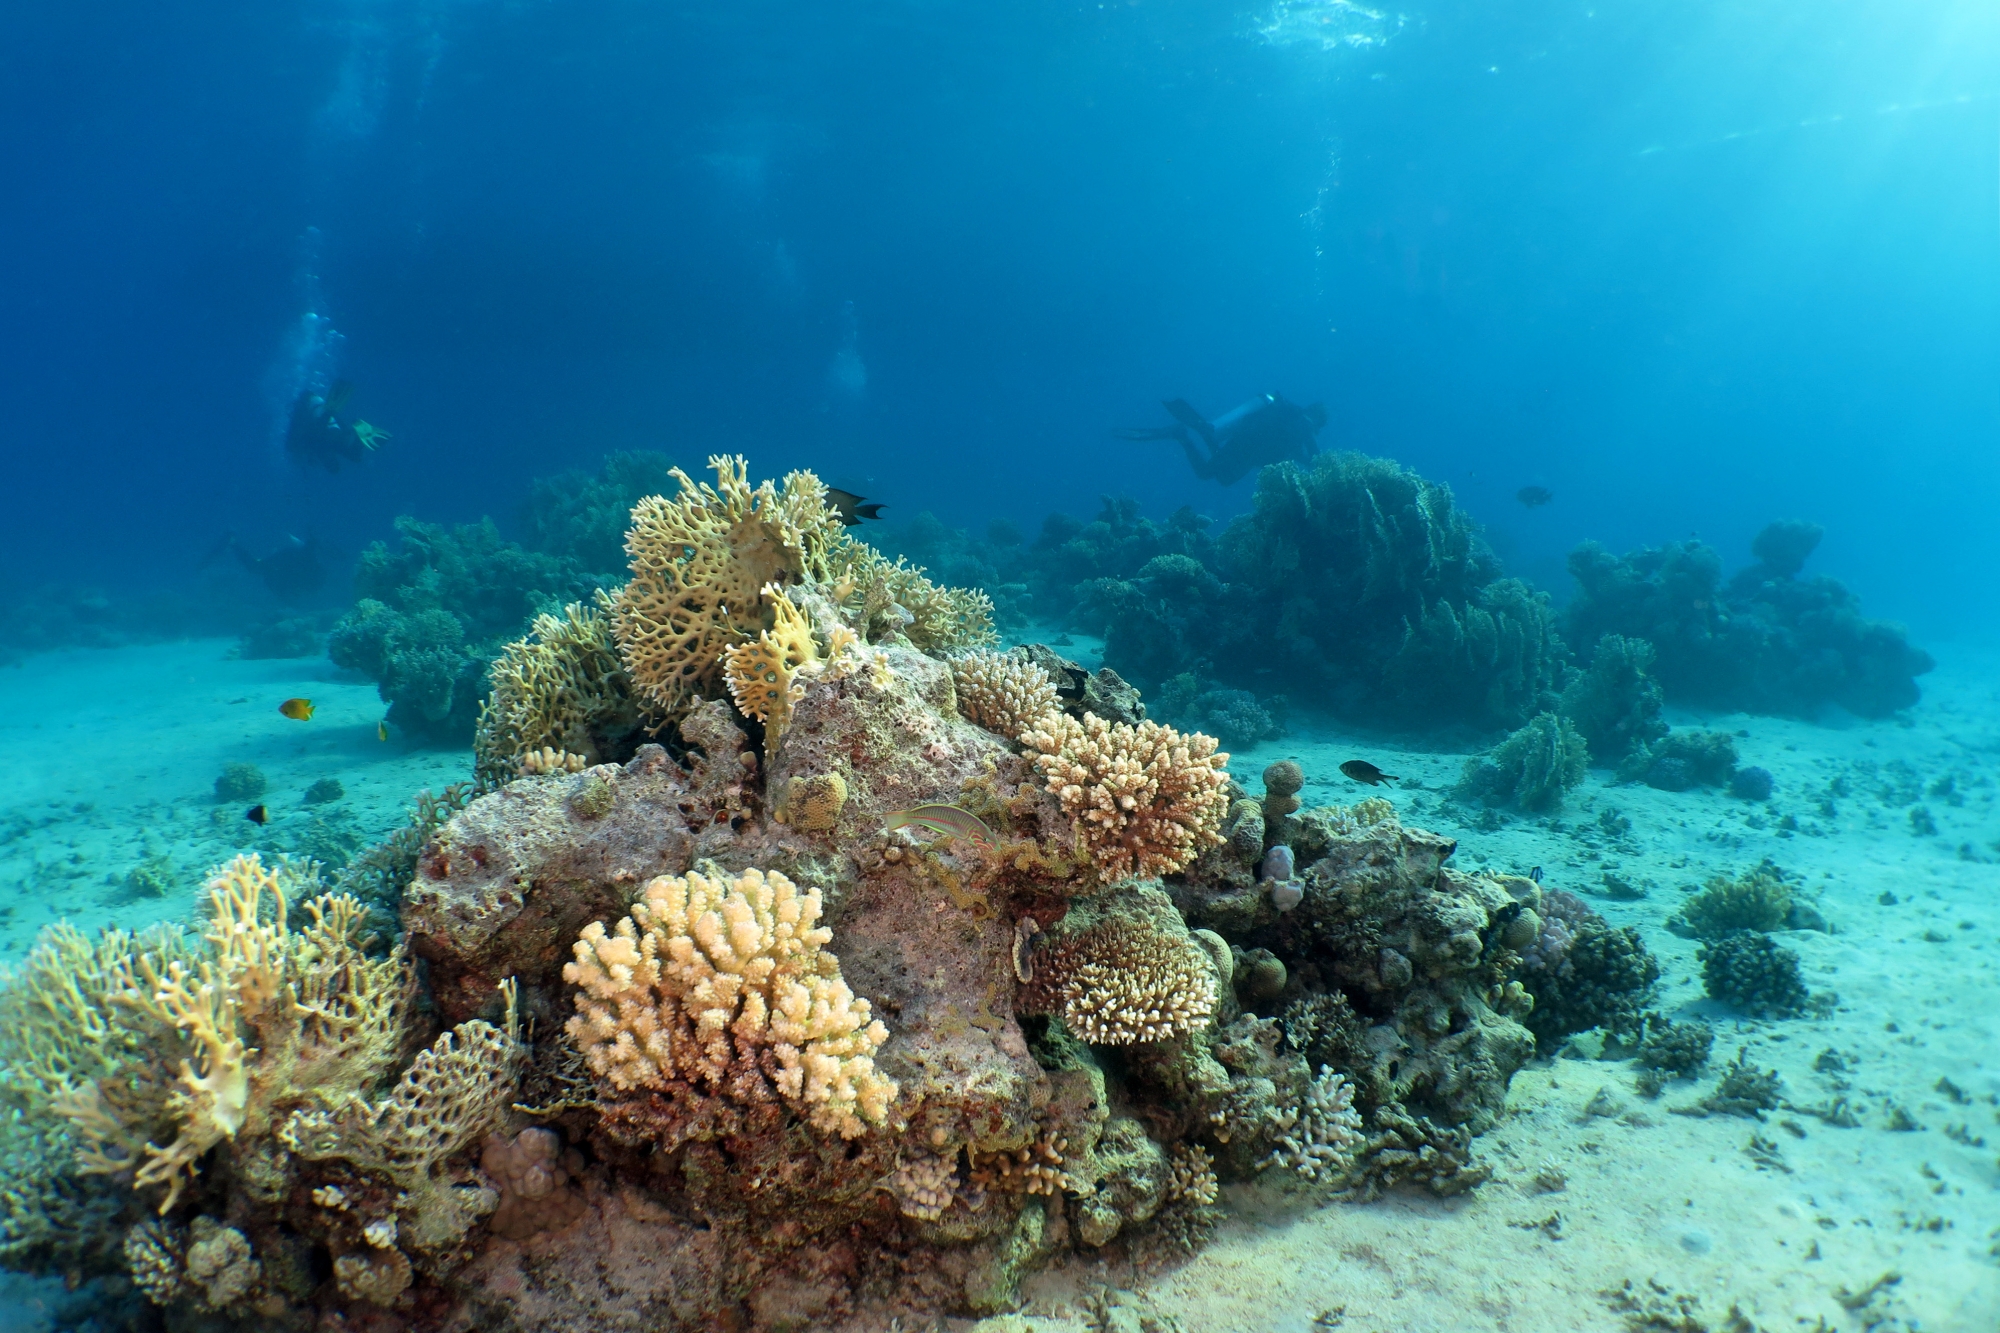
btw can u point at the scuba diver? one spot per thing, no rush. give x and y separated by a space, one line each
292 572
1270 428
316 437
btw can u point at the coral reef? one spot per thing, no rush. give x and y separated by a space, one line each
1584 973
1765 642
1405 1150
1003 692
1531 768
561 688
1321 1136
1676 1048
1760 899
1683 759
1756 974
1615 703
1124 980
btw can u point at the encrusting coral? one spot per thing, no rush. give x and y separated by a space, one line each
1147 799
726 985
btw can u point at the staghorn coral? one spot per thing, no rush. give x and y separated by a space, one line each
1147 799
1003 692
559 689
171 1059
450 1096
1122 982
1034 1169
1322 1134
895 597
701 565
1191 1175
726 985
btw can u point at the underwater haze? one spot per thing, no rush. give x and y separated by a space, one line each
1370 633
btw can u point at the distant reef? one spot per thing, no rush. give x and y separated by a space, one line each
1766 641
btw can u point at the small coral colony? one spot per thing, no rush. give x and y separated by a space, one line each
799 954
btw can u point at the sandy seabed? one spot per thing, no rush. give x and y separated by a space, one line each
108 760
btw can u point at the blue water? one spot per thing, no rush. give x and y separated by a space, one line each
1689 267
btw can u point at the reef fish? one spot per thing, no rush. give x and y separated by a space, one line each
1534 496
382 731
257 814
942 819
852 508
1363 771
298 710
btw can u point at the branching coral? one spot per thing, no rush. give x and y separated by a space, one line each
701 564
935 619
1122 982
201 1046
768 675
1322 1134
451 1095
1761 899
1147 799
1755 973
1003 693
727 985
560 688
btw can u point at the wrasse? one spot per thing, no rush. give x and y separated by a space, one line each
298 710
948 819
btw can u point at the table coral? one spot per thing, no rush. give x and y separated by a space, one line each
727 985
1147 799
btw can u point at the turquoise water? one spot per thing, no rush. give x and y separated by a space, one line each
1583 413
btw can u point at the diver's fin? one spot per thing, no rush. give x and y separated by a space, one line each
1150 433
1184 413
337 396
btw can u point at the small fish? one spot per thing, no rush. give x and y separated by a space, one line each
852 508
947 819
1536 874
1363 771
382 731
1534 496
298 710
257 814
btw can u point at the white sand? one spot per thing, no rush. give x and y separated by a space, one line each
110 756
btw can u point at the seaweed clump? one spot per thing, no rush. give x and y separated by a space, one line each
1753 972
1532 768
1766 641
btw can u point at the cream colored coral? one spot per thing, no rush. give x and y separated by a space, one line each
814 802
1035 1169
700 566
1348 821
377 1278
1322 1134
925 1184
1147 799
153 1256
1191 1175
1001 692
1123 982
199 1047
710 977
551 690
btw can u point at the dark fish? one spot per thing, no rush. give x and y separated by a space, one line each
1534 496
257 814
852 508
1536 874
1363 771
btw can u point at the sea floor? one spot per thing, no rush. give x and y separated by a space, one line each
108 813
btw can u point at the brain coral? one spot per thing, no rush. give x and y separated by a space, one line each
1003 693
700 564
727 985
1147 799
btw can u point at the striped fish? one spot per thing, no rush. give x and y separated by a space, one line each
947 819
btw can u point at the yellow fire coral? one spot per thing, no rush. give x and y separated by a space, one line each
552 690
700 566
1122 982
1002 693
153 1040
726 985
451 1095
769 675
1147 799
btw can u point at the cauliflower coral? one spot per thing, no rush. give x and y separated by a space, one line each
1147 799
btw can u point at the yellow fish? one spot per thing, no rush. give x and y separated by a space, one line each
381 731
948 819
298 710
